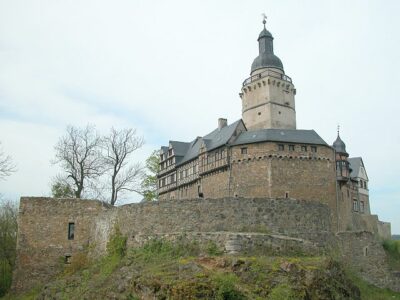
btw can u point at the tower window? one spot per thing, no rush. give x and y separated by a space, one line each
71 231
286 195
304 148
291 147
281 147
355 205
361 206
243 150
313 149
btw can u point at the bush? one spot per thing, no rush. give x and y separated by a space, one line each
116 246
161 249
392 247
226 287
212 249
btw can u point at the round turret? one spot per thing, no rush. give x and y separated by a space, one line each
339 146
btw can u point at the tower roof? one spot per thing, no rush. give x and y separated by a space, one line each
266 57
339 145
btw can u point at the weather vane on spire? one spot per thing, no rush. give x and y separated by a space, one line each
264 16
338 129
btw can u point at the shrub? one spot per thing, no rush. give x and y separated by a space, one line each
212 249
116 246
392 247
226 287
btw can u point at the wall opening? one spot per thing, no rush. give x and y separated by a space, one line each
71 231
365 251
286 195
67 259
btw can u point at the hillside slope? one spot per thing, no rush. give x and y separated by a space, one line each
162 270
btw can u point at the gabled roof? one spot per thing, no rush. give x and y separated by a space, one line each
180 148
280 135
355 164
212 140
219 137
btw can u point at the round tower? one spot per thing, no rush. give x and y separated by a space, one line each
342 164
268 94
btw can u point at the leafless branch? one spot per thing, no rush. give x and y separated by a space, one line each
7 166
118 147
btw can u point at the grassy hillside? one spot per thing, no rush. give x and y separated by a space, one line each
162 270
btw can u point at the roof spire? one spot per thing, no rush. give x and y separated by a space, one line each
264 19
338 129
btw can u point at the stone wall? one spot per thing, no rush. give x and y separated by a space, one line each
259 225
365 255
295 218
43 244
270 224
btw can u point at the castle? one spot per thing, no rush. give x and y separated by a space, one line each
265 155
256 186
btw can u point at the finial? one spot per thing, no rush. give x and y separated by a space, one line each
338 129
264 18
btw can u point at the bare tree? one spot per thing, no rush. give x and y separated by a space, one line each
118 147
79 154
7 167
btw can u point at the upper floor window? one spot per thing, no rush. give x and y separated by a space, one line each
313 149
161 156
291 147
361 206
304 148
169 152
71 231
355 205
281 147
243 150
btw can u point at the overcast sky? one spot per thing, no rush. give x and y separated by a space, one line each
172 68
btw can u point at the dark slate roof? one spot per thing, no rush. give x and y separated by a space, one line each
339 145
266 57
219 137
280 135
355 164
193 150
264 33
213 140
180 148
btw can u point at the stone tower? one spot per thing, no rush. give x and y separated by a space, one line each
268 94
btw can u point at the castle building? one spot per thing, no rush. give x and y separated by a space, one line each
264 154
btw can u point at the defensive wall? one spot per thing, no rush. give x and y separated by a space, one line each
235 225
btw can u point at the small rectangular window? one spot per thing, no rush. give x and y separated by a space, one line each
361 206
71 231
304 148
281 147
286 195
67 259
243 150
291 147
313 149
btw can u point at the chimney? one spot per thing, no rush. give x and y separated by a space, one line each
222 123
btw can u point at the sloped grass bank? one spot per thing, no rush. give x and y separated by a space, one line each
184 270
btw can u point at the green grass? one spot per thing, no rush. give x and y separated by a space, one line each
371 292
178 270
392 248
